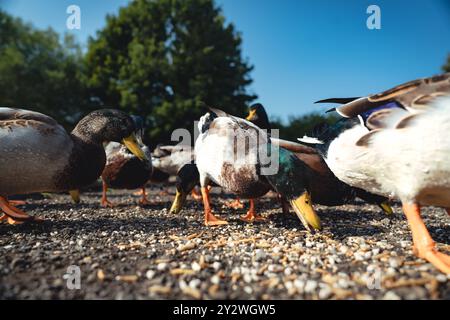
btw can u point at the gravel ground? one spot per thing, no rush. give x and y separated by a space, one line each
131 252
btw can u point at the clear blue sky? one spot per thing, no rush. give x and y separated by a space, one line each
305 50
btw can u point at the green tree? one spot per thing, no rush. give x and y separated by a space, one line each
39 72
446 67
166 59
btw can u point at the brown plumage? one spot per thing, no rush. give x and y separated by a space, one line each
38 155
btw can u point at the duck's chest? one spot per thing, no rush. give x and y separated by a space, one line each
235 170
242 180
126 172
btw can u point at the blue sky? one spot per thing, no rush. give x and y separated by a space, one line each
304 50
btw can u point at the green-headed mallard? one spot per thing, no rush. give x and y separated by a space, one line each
123 170
397 144
225 158
38 155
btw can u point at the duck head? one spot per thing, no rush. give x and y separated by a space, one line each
290 181
187 177
106 125
258 116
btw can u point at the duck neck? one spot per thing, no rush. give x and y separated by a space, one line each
86 163
289 180
263 122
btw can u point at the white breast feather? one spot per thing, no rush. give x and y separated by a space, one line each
406 163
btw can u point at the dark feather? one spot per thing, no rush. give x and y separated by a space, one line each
338 100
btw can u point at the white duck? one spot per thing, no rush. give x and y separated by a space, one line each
400 147
233 153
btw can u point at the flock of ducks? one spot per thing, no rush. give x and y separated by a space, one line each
392 145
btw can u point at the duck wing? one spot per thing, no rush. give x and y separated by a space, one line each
413 96
34 148
292 146
10 114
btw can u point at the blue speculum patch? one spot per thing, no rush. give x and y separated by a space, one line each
390 105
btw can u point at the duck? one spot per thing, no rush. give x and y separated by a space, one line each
169 159
123 170
246 172
326 189
396 144
38 155
258 116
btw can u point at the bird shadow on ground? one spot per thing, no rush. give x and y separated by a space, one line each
340 224
94 225
158 205
440 234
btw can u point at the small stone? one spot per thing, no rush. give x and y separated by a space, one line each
216 265
343 249
196 267
150 274
299 284
260 255
161 266
391 295
325 292
215 279
358 256
288 271
310 286
441 278
394 263
194 283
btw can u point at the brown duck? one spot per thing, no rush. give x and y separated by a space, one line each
38 155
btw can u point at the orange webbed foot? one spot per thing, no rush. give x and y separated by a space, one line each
235 204
107 204
438 259
251 215
144 201
195 195
252 218
424 246
212 220
14 215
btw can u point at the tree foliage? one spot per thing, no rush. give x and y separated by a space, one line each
166 60
446 67
39 72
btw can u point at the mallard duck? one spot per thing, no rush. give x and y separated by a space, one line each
244 171
169 159
325 188
123 170
258 116
397 144
38 155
